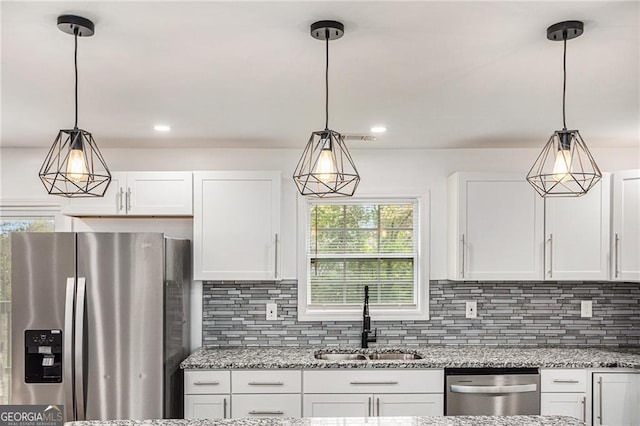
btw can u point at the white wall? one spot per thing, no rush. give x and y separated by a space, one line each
383 172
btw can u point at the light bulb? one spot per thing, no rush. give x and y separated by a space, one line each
562 166
325 168
76 166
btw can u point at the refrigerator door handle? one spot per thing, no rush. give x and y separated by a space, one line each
79 348
68 350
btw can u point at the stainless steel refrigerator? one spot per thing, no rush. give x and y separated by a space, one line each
100 323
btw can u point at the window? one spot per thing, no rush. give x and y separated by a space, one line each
15 220
356 243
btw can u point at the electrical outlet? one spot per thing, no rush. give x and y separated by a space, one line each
586 309
272 312
472 309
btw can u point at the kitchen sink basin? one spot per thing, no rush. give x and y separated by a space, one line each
388 356
342 357
376 356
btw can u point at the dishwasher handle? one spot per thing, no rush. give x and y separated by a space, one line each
494 389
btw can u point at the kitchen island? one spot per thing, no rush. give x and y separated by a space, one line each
355 421
430 357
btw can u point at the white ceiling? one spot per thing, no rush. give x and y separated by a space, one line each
443 74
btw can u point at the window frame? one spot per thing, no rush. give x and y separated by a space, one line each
382 313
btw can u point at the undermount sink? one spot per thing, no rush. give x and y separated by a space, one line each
342 357
377 356
389 356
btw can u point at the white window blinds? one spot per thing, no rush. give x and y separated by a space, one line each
357 244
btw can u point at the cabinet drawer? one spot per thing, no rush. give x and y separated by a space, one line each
374 381
266 405
206 382
266 381
563 380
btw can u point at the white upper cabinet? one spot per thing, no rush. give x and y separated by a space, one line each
577 231
237 226
495 228
139 194
626 226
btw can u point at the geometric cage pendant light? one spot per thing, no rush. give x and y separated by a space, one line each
74 166
326 168
565 167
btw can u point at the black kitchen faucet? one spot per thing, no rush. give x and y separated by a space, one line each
366 322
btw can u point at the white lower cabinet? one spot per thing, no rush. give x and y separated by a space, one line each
616 399
207 394
206 406
564 393
564 404
370 405
266 393
368 393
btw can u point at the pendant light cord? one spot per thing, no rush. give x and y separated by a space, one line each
75 64
326 81
564 81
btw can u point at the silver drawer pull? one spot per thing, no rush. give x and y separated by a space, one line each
200 383
266 384
565 381
268 413
494 389
374 383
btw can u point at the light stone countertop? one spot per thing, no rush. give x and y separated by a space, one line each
260 357
355 421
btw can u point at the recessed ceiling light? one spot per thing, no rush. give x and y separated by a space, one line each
162 128
378 129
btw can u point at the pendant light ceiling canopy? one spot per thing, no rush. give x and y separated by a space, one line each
565 167
326 168
74 166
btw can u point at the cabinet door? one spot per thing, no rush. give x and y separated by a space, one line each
409 404
626 226
159 194
111 204
616 399
236 225
564 404
577 235
206 406
266 405
495 228
337 405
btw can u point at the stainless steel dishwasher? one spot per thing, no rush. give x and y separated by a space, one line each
492 391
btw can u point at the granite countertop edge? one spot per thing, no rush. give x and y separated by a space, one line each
291 357
353 421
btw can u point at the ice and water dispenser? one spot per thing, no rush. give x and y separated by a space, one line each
43 356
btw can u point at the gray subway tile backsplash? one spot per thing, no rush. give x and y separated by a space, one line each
509 313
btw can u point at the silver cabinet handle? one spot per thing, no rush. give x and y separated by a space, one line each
584 408
616 262
276 257
120 194
68 349
369 408
494 389
202 383
390 382
79 350
267 412
463 249
565 381
128 199
224 408
550 255
600 400
266 384
378 407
